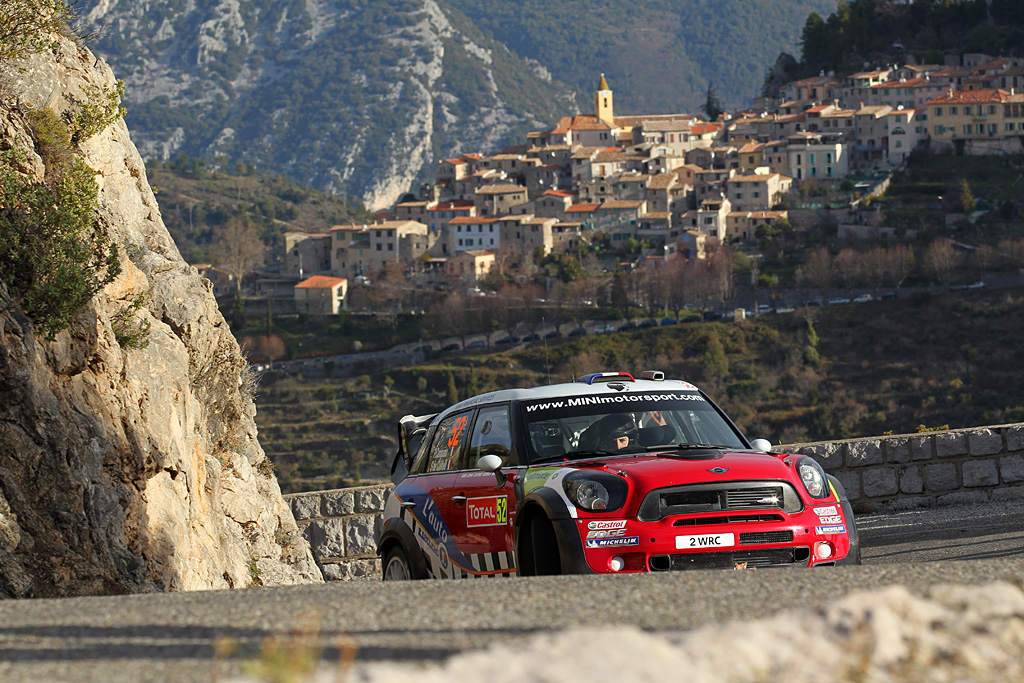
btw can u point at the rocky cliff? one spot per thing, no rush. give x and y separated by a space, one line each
347 96
128 470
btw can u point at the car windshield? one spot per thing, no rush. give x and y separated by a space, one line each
583 426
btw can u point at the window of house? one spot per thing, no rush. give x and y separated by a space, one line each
379 247
391 247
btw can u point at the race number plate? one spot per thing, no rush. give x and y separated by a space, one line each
705 541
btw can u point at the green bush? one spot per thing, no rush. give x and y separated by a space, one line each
130 331
50 252
99 109
26 26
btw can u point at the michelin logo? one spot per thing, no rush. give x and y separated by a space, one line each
834 529
612 542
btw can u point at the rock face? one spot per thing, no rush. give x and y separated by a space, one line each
351 97
129 470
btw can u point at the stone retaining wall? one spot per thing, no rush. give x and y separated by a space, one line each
880 474
924 470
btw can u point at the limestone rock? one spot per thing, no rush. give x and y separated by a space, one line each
129 470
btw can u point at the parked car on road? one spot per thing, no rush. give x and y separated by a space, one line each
578 332
605 329
863 299
608 474
838 300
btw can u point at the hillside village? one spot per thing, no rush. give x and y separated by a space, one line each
651 189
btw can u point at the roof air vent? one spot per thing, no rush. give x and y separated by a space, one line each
599 377
656 375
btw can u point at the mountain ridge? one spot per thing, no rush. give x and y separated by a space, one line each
360 99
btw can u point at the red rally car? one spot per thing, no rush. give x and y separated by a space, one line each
607 474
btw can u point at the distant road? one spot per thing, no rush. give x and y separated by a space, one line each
177 636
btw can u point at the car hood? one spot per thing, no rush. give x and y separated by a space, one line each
672 468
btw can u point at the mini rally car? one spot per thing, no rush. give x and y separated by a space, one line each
608 474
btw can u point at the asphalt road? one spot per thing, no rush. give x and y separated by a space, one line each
212 635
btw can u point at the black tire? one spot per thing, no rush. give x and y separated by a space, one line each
852 557
395 566
544 547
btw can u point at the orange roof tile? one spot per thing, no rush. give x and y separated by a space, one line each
320 282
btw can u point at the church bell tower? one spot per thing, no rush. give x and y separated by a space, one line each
603 106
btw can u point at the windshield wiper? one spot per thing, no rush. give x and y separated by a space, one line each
690 447
571 455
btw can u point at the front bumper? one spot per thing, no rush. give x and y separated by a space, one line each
741 541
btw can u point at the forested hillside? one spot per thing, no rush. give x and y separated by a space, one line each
878 31
660 56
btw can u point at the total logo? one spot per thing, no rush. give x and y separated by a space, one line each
487 511
607 524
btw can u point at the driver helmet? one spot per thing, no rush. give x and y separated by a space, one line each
612 428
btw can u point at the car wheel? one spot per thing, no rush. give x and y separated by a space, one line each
544 547
396 565
853 557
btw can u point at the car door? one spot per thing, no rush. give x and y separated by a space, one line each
486 536
427 501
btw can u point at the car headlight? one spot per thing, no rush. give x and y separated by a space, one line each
595 491
813 478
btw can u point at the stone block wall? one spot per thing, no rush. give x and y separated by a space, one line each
908 471
886 473
341 526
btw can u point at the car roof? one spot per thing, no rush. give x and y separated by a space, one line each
578 388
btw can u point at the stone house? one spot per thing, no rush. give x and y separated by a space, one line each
821 157
321 295
756 191
307 253
981 121
473 234
469 266
499 199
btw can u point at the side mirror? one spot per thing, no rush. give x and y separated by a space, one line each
763 445
492 463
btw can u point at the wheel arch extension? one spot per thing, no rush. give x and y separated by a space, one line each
397 532
546 503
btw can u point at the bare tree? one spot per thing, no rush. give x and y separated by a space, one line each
848 268
816 272
238 249
941 260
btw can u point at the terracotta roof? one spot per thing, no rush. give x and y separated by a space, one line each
753 178
615 204
655 215
662 181
668 125
557 193
972 97
703 128
583 208
470 220
320 282
579 122
454 204
752 147
502 188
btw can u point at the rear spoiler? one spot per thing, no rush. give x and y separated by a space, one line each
410 427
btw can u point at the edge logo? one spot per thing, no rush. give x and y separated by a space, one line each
718 470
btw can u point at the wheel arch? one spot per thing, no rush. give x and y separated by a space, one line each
546 503
396 532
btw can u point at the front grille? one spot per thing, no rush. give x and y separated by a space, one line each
762 497
774 557
731 519
720 496
758 537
